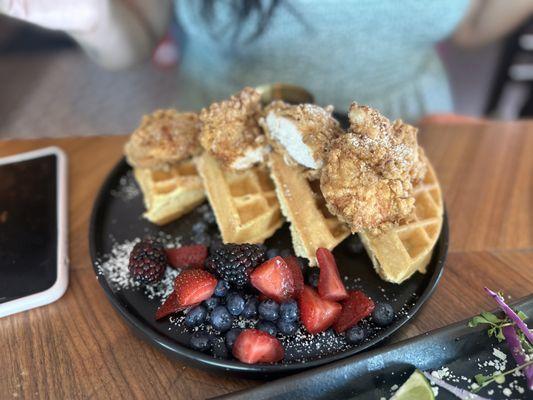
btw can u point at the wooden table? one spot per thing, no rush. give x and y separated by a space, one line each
79 347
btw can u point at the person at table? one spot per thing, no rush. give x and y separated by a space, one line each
381 53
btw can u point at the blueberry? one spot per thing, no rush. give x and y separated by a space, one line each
355 334
231 336
216 242
271 253
285 253
353 244
268 327
221 319
304 262
199 227
383 314
235 303
250 308
221 289
200 341
269 310
209 217
288 328
219 349
211 303
288 311
313 276
195 316
202 238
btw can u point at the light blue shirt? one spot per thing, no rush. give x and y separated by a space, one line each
376 52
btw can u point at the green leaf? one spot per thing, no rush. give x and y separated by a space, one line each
480 379
490 317
522 315
499 335
478 319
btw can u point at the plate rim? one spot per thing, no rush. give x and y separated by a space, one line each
176 350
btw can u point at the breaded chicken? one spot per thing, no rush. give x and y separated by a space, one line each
302 133
163 138
231 133
368 176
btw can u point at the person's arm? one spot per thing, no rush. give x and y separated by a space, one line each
114 33
488 20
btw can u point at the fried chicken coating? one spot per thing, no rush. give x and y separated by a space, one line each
163 138
368 176
302 133
231 132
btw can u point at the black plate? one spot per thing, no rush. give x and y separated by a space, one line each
371 375
116 217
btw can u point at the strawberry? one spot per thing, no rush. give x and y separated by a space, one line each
330 286
297 275
170 306
274 278
187 256
317 314
191 287
356 307
254 346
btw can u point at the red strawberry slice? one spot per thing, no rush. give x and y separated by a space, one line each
297 275
356 307
254 346
191 287
170 306
187 256
330 286
194 286
317 314
274 279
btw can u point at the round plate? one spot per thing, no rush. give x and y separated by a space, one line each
116 218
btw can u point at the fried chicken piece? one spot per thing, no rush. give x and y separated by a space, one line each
369 173
163 138
302 133
231 132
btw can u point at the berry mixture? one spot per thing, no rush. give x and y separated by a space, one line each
222 284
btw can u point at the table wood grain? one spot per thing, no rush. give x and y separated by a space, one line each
79 348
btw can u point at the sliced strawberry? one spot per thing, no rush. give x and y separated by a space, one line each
356 307
193 286
254 346
274 279
170 306
330 286
317 314
187 256
297 275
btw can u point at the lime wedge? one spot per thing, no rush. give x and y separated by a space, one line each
416 387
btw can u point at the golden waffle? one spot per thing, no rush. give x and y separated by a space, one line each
244 202
170 194
312 225
400 252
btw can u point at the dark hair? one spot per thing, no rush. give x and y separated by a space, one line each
262 10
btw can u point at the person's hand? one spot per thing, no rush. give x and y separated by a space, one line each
65 15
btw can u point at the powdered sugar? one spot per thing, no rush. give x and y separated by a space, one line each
114 267
127 188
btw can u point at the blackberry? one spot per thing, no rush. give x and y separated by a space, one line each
235 262
148 261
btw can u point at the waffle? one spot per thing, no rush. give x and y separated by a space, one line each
244 202
170 194
312 225
400 252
